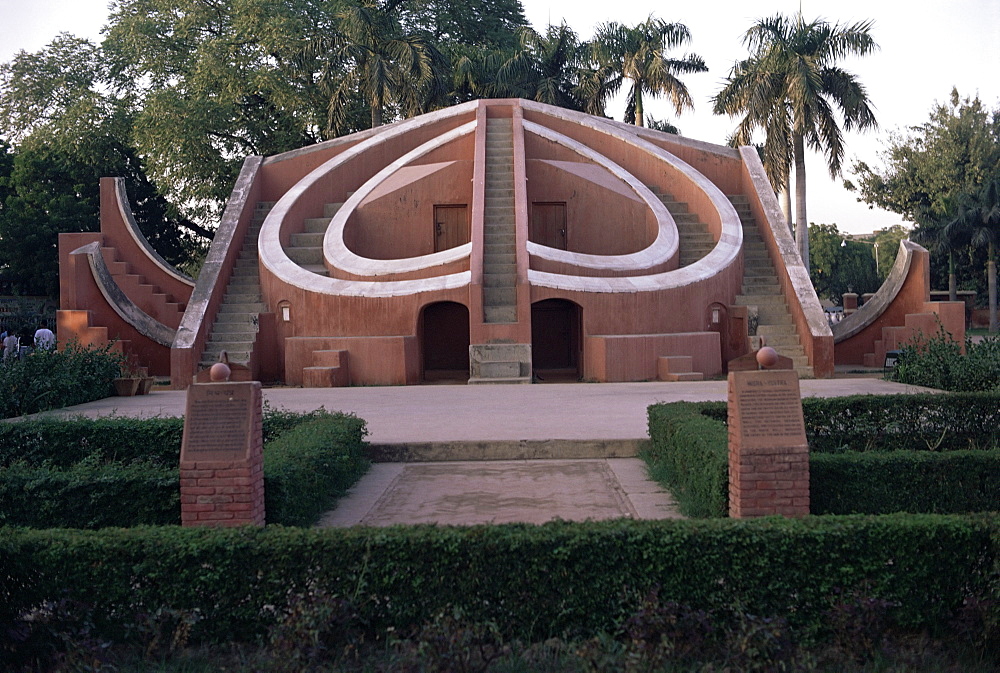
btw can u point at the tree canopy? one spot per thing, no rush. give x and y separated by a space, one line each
790 88
929 174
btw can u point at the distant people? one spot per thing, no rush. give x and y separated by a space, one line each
11 347
45 340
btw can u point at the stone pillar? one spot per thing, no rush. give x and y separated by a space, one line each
222 463
768 454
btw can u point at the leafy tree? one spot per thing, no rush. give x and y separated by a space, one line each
928 172
484 24
544 68
978 221
638 54
838 264
887 242
70 132
790 86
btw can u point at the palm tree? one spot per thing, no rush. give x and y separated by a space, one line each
370 56
639 55
790 86
545 68
978 220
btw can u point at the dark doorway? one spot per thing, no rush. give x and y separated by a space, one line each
451 227
548 224
555 340
445 342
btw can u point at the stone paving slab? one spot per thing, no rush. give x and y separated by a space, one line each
493 492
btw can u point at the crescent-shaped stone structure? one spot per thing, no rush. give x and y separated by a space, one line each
497 241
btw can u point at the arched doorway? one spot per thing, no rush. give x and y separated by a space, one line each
444 340
555 340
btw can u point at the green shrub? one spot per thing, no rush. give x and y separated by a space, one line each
904 481
920 445
91 473
938 362
307 468
533 582
63 442
48 379
689 454
90 495
955 422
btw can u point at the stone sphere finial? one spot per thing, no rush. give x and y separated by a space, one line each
767 357
219 373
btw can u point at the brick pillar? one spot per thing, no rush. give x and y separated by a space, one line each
222 463
850 300
768 454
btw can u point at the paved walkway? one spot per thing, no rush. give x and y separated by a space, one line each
470 492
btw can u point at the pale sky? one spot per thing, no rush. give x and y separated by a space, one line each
926 49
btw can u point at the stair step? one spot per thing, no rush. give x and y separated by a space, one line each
500 296
500 314
309 240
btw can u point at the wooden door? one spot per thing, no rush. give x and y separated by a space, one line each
548 224
451 226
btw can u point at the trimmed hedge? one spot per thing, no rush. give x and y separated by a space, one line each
896 453
904 481
89 495
533 582
690 454
62 442
125 472
309 467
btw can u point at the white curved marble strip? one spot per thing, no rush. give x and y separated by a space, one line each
724 254
663 247
335 250
274 259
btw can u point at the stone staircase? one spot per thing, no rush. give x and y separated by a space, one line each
236 323
761 291
695 239
306 248
499 248
158 305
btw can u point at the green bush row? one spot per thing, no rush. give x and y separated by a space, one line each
305 470
956 422
533 582
49 379
853 469
905 481
63 442
938 362
89 495
689 453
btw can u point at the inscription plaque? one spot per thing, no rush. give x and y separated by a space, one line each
765 409
218 422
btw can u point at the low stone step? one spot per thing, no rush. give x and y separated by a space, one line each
242 298
330 209
494 268
317 225
495 257
305 255
759 300
499 296
307 240
500 314
499 279
255 307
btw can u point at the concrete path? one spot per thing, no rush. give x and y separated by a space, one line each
446 413
508 421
